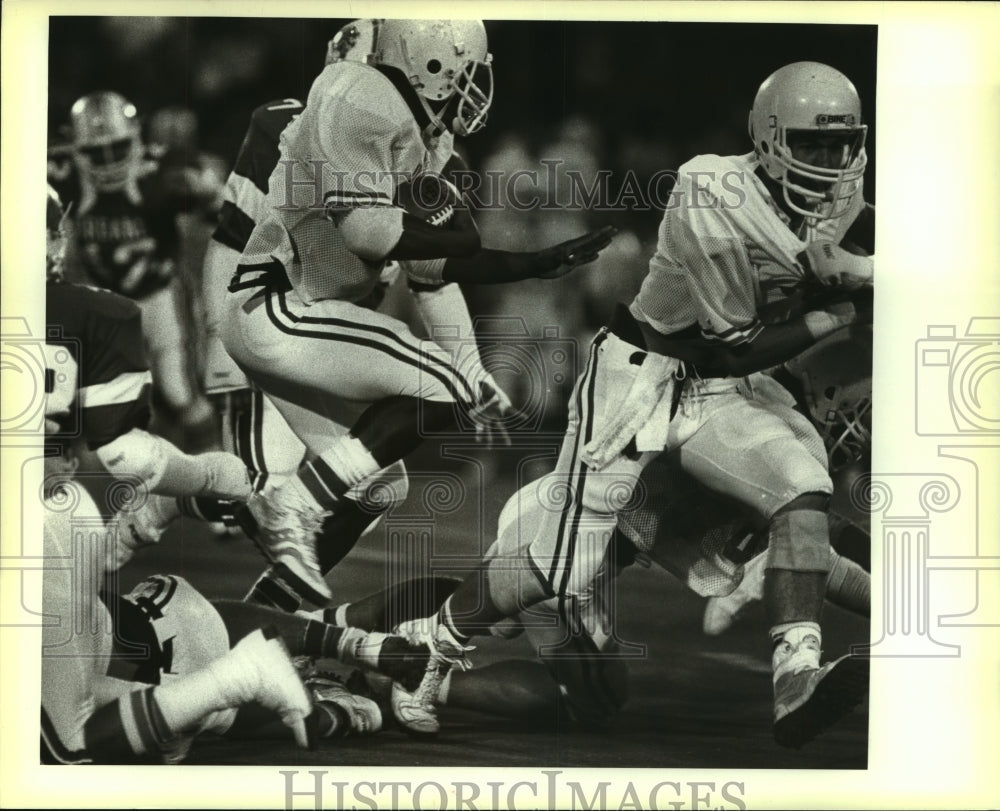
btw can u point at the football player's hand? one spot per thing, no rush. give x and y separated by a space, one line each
551 263
835 267
490 412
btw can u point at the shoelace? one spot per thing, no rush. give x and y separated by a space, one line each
430 685
309 524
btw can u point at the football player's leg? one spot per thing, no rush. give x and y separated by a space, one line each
263 439
332 358
170 363
306 636
386 609
747 451
565 522
331 361
167 633
344 523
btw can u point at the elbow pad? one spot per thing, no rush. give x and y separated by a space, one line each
371 233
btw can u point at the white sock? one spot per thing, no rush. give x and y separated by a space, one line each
357 647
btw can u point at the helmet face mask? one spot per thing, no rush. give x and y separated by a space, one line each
804 114
445 61
107 148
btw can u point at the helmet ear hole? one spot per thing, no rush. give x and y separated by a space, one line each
434 67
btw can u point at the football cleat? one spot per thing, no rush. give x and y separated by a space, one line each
262 660
350 713
809 700
416 711
722 612
287 536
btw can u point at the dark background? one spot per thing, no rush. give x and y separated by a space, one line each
684 88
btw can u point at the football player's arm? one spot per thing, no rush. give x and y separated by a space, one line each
359 181
445 315
707 252
491 266
774 344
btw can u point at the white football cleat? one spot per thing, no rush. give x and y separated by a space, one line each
416 712
262 658
287 535
353 713
808 699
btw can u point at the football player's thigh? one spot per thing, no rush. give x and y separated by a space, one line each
746 451
337 349
319 419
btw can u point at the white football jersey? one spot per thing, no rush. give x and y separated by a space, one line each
725 248
353 144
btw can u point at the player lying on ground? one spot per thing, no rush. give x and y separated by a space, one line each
141 680
727 295
298 320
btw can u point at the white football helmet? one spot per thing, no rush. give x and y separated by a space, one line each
809 97
443 60
55 236
836 377
352 43
106 142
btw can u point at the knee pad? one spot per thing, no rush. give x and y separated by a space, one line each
799 536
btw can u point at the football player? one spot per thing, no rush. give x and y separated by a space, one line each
296 322
831 382
124 200
96 387
99 387
749 272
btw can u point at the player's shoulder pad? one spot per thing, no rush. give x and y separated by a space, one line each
352 89
710 173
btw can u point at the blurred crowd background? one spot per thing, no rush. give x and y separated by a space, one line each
629 99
